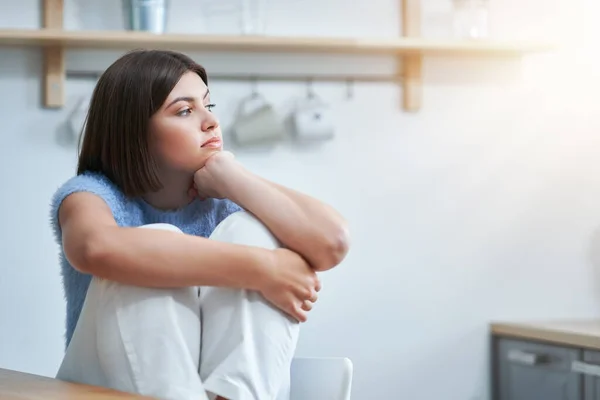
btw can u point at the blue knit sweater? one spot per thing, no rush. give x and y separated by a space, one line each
198 218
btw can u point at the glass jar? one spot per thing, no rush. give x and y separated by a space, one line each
146 15
254 14
226 17
471 19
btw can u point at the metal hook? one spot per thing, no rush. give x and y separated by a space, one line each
349 89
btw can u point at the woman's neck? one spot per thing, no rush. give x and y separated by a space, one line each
174 194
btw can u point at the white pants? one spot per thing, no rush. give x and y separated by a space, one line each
187 343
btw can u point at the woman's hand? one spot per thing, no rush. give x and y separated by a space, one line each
290 284
213 180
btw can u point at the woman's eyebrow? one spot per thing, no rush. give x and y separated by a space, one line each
182 98
189 99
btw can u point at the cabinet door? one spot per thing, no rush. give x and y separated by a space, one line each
536 371
590 370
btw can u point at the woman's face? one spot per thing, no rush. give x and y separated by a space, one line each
184 133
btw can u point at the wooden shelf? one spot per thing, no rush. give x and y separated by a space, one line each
409 47
131 40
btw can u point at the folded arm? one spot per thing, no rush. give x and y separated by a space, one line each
94 244
303 224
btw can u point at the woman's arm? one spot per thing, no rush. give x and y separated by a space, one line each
96 245
300 222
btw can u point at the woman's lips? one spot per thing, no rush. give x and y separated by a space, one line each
213 143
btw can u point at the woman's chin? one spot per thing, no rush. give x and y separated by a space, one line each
205 156
209 153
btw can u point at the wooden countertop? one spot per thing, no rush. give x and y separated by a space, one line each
579 333
21 386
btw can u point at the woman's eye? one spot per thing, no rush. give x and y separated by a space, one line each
184 112
209 107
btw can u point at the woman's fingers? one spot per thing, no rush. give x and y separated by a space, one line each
305 302
317 284
300 314
307 305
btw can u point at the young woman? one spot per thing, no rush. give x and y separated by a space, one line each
205 300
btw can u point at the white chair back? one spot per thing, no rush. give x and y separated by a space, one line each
321 378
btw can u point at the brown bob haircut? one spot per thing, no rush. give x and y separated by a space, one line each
129 92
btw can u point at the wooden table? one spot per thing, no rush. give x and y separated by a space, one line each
22 386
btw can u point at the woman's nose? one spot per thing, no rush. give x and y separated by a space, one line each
209 122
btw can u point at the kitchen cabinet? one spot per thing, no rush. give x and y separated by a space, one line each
546 361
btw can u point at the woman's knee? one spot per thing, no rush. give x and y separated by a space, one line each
244 228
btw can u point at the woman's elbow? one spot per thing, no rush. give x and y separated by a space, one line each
333 249
86 255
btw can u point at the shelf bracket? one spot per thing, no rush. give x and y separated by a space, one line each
54 59
412 64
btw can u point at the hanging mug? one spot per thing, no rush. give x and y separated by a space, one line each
256 122
312 120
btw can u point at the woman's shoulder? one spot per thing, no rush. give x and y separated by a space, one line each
92 182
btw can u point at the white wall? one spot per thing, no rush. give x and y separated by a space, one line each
485 205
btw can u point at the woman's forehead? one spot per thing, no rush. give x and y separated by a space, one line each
190 85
